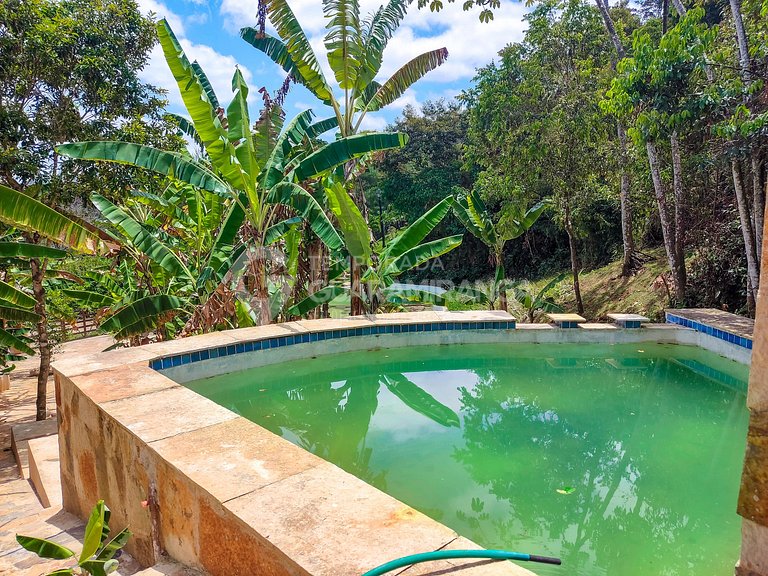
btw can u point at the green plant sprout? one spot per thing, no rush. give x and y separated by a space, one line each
97 557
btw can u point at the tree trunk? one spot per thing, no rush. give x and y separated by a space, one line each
324 267
681 10
677 186
628 240
574 260
741 39
608 21
746 229
758 203
667 226
315 257
627 236
44 348
355 288
260 287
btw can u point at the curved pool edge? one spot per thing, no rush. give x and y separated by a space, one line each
154 451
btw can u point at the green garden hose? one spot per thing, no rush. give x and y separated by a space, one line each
448 554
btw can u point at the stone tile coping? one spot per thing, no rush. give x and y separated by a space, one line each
323 519
722 325
310 331
566 320
628 320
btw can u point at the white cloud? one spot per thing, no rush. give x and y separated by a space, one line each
197 18
218 67
160 10
407 99
373 122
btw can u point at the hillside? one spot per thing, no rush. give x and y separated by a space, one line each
604 290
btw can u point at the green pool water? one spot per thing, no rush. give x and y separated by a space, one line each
622 460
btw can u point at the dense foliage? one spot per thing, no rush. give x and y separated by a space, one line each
644 125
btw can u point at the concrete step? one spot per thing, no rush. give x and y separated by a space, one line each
21 434
44 471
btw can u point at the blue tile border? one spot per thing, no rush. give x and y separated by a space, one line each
320 336
724 335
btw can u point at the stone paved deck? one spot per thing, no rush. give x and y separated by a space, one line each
20 509
719 319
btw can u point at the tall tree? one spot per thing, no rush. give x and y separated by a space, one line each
535 119
68 72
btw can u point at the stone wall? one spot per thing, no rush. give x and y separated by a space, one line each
753 497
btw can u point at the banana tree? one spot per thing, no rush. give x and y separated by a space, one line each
384 264
168 257
259 173
535 301
355 51
513 222
40 224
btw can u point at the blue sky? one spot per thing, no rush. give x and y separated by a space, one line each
208 31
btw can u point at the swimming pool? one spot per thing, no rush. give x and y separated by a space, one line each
621 459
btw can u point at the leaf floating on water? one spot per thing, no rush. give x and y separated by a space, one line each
566 490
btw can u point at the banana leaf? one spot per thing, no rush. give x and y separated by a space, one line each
21 211
13 314
321 127
141 238
405 77
8 340
24 250
86 298
15 296
345 149
170 164
422 253
140 316
322 296
203 113
44 548
307 68
277 231
383 25
343 42
421 401
293 195
420 229
353 226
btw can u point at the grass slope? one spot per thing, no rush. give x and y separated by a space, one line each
603 290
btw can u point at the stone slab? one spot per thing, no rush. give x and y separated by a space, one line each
21 434
475 316
77 365
166 413
597 326
123 382
557 318
357 527
44 472
627 317
255 457
733 323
